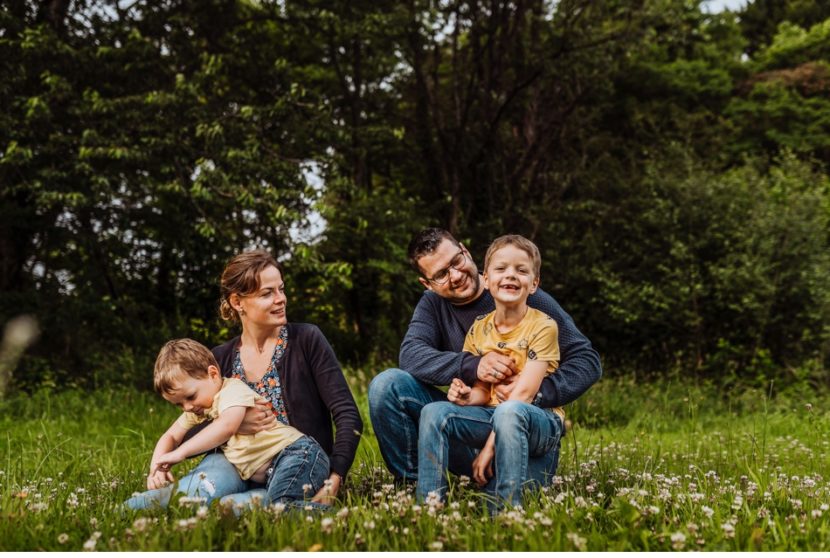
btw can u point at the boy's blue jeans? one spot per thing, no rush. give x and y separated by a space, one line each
529 449
302 463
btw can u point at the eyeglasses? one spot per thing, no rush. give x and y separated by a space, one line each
443 276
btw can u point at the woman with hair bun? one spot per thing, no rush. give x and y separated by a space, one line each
292 366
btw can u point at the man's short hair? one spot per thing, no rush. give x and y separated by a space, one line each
425 243
519 242
181 357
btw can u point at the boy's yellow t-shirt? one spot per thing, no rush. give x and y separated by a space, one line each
535 338
247 452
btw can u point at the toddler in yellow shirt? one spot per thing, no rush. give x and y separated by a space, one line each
289 464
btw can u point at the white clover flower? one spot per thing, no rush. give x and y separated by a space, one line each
307 488
579 542
326 525
202 512
89 545
678 540
816 513
728 530
436 546
707 511
63 538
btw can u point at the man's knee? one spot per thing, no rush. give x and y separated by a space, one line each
385 384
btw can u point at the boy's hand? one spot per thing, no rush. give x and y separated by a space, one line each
483 464
505 388
159 479
459 392
166 461
257 418
495 367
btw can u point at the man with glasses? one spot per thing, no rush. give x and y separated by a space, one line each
431 355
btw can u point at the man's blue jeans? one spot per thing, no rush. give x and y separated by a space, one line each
396 401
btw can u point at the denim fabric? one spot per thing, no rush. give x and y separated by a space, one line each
395 402
297 474
527 446
212 479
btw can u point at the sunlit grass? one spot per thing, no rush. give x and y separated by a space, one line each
645 466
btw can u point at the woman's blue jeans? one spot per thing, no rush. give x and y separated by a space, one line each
396 404
302 463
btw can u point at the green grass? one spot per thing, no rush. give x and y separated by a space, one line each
645 467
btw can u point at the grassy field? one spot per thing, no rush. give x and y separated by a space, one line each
669 466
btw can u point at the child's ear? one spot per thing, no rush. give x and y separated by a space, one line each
535 285
486 281
213 372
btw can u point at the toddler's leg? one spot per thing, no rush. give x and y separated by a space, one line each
212 479
299 471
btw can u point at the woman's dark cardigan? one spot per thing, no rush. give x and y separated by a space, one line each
315 392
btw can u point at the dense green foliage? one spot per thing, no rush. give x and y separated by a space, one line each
645 467
670 163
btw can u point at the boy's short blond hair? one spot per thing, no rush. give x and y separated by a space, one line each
181 357
519 242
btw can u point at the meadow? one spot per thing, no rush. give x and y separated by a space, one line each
674 465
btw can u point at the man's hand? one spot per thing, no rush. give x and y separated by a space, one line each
459 392
483 464
159 479
257 418
495 367
328 493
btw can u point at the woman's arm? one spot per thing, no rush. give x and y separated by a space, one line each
335 393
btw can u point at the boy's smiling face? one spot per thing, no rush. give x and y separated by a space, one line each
509 275
195 395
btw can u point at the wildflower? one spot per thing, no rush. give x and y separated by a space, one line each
678 540
368 525
816 513
824 507
577 541
140 524
343 514
808 406
63 538
202 512
436 546
728 530
326 525
707 511
89 545
307 488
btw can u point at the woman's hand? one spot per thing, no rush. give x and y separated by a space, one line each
257 418
328 493
459 392
483 464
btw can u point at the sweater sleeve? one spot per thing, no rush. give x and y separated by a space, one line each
336 395
421 353
579 366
